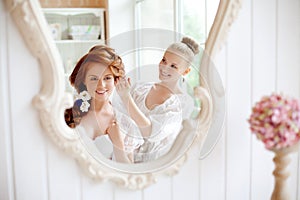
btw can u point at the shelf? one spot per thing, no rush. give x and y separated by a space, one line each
79 41
66 22
63 20
74 11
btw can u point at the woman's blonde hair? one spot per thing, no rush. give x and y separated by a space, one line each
187 48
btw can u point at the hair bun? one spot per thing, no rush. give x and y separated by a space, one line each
192 44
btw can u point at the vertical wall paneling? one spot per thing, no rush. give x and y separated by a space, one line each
212 173
64 174
226 121
6 166
160 190
288 67
28 141
186 182
298 63
238 96
123 193
95 190
298 177
264 48
263 53
298 56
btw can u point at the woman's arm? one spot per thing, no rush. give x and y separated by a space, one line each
119 152
144 124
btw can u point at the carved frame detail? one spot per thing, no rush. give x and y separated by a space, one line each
52 98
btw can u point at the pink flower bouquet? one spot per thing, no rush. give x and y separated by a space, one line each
276 121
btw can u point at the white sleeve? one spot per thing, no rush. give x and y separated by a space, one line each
117 103
165 119
131 133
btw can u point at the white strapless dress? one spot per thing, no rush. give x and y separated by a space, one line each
102 144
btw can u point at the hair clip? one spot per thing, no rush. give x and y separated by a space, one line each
82 101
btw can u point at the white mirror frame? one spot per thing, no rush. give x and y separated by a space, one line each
52 99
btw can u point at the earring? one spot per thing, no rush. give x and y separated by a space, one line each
82 101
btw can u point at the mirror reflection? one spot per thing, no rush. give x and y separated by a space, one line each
92 114
158 108
124 117
143 125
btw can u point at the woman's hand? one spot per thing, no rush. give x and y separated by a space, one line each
115 136
123 87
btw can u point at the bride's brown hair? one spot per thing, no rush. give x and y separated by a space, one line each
97 54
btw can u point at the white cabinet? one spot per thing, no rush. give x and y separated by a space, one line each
75 31
76 23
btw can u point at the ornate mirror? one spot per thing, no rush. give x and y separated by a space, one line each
53 98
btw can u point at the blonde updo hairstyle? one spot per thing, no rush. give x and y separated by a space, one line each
187 48
97 54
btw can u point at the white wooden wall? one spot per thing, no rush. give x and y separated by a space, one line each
261 55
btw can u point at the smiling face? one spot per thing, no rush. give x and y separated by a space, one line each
172 66
99 81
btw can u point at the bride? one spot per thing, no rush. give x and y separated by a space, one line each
92 114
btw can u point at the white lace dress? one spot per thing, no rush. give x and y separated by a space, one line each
104 146
166 122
